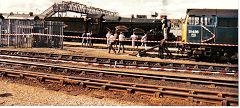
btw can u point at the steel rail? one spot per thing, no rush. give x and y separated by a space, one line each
188 80
109 65
158 91
222 68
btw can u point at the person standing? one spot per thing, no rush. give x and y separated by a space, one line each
134 37
121 40
115 38
89 41
169 25
144 41
84 38
111 41
108 36
164 27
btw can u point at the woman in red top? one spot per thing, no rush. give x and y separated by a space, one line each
115 39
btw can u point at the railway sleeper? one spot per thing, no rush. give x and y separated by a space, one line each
142 63
90 59
55 56
130 90
210 68
141 78
183 66
197 99
66 57
103 60
116 61
129 62
93 86
2 74
100 74
65 70
83 73
78 58
41 79
13 52
202 67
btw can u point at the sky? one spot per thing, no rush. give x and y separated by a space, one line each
172 8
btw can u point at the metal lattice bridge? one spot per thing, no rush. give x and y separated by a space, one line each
65 6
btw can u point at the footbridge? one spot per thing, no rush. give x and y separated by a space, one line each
65 6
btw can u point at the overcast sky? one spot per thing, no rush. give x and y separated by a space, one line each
172 8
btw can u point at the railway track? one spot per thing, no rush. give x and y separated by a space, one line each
151 53
217 68
223 98
141 76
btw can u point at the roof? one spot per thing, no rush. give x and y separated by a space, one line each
217 12
20 16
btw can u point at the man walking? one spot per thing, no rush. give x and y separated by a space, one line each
111 41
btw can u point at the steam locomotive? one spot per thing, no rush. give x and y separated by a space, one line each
210 34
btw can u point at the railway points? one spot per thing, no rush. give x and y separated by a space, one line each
198 65
129 87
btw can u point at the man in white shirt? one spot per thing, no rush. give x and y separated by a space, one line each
108 36
134 37
89 41
84 35
143 40
111 41
121 40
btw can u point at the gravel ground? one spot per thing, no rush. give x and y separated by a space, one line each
128 79
22 92
14 94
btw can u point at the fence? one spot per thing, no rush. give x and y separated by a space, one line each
22 30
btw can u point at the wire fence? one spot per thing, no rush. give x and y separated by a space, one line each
23 30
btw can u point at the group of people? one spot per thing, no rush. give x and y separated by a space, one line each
112 40
115 39
85 39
